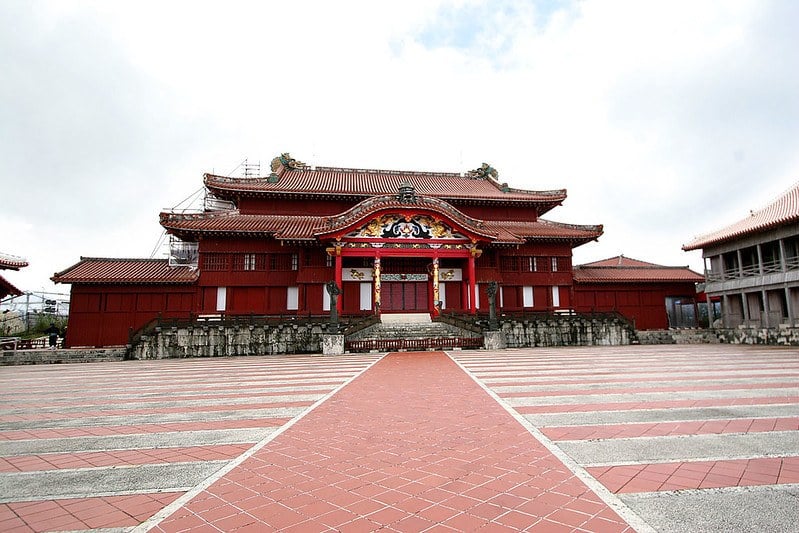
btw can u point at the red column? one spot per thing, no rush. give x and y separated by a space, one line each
435 292
472 286
339 280
376 299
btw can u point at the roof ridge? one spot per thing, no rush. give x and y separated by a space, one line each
386 171
636 267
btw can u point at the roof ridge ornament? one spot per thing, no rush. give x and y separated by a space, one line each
285 160
485 171
407 193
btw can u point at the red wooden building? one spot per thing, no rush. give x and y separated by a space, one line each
392 240
651 296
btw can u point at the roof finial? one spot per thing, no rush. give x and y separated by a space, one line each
286 161
407 193
485 171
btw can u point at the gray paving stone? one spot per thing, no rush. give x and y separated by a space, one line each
651 396
662 415
610 384
117 406
682 448
165 418
22 486
642 377
767 509
136 441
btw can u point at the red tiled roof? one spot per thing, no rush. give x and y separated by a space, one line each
783 210
11 262
7 288
621 261
285 227
127 271
295 227
622 269
512 231
349 182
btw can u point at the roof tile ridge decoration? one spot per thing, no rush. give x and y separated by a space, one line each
370 205
345 170
632 267
784 208
12 262
587 227
222 213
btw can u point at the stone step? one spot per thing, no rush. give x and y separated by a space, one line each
410 330
405 318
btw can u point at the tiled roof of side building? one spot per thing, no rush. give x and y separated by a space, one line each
783 210
328 181
96 270
6 288
12 262
622 269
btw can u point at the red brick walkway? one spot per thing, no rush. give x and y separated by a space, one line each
413 444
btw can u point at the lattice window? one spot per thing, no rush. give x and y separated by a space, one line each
216 261
284 262
561 264
509 263
249 262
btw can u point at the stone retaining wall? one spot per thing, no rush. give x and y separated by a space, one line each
566 331
779 336
678 336
76 355
216 341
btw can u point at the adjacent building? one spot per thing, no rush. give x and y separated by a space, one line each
651 296
752 266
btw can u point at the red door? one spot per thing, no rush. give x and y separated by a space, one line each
408 297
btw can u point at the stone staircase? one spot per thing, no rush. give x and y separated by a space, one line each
411 331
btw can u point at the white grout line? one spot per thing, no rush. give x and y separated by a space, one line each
164 513
613 501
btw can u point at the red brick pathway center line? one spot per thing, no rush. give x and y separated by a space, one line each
413 443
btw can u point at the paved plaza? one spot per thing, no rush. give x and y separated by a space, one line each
607 439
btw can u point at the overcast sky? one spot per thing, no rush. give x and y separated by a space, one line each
664 120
